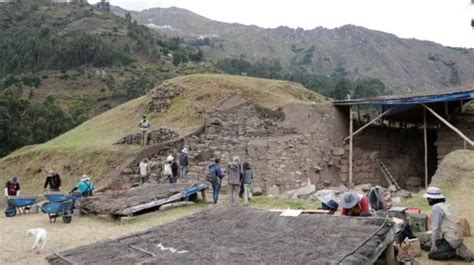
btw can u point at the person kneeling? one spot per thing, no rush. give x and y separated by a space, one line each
447 232
354 204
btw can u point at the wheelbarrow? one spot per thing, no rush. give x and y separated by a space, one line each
58 209
18 204
60 197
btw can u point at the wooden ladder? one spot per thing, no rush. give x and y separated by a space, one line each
388 176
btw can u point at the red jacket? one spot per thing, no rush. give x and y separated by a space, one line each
357 211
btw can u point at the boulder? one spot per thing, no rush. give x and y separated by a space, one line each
273 191
392 188
127 171
304 191
340 189
364 187
257 191
403 194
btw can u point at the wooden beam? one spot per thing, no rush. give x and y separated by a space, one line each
425 138
142 250
351 135
64 258
456 130
369 123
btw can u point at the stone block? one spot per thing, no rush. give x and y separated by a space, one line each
274 191
338 151
257 191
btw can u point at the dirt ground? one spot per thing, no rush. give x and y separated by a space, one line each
15 246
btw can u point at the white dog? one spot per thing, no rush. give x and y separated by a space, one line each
40 235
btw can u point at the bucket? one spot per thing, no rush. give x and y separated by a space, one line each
34 208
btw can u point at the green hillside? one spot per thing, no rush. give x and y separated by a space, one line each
70 62
89 148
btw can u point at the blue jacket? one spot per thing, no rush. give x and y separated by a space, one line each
84 186
217 169
248 176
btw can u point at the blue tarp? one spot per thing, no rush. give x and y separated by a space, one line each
403 101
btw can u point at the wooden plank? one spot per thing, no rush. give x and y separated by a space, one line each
369 123
351 135
425 140
148 205
142 250
304 211
64 258
456 130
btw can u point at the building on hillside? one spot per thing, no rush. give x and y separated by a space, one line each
407 141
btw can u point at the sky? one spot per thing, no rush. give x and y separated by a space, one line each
444 21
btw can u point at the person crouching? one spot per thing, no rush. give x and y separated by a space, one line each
354 204
447 232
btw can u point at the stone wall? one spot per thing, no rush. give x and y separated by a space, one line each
401 150
154 136
448 141
285 147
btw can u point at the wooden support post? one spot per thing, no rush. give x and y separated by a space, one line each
368 124
351 128
390 254
449 125
358 113
425 137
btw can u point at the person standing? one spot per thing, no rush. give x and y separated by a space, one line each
247 180
215 173
12 187
143 170
144 125
447 232
53 180
183 163
234 171
167 172
174 170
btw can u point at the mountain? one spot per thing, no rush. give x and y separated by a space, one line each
403 65
64 63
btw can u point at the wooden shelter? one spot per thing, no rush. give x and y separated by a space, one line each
423 110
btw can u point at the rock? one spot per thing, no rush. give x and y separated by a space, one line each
304 191
403 194
340 189
392 188
274 191
257 191
364 187
127 171
338 151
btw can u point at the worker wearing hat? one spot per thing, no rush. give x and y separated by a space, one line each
354 204
12 187
447 233
84 186
328 200
183 163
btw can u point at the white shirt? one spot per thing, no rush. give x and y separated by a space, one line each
143 168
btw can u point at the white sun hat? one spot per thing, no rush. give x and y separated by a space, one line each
433 193
170 158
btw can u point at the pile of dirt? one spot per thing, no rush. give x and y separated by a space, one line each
116 202
456 165
238 235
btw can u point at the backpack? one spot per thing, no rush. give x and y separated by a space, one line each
211 175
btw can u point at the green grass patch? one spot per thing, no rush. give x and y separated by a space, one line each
266 202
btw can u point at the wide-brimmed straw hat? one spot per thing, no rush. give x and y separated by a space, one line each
349 200
433 193
331 204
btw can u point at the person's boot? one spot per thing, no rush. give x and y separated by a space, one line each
464 253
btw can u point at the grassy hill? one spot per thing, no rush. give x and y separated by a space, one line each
89 149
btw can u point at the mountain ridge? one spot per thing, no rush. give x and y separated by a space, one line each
402 64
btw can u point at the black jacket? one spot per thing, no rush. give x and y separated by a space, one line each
54 182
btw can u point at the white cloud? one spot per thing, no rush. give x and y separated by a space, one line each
443 21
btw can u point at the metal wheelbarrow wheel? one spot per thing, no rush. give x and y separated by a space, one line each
10 211
67 219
